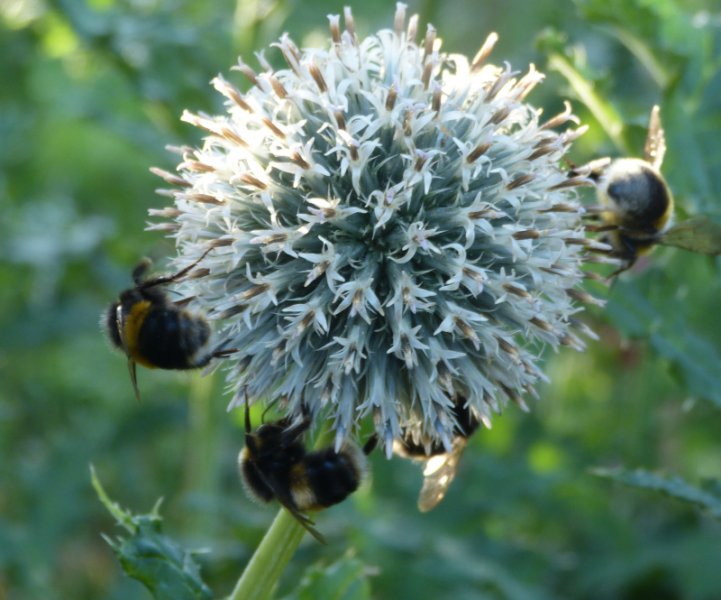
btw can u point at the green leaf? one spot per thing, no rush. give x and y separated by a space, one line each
708 499
345 579
584 89
695 359
647 313
697 234
160 564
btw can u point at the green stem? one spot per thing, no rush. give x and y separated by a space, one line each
270 559
202 472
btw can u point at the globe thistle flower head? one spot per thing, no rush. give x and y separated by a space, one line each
392 232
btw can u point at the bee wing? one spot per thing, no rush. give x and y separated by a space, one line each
120 321
438 474
655 147
698 234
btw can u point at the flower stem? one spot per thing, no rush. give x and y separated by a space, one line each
271 556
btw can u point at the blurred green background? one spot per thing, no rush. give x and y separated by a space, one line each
90 94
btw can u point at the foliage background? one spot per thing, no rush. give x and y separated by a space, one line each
91 92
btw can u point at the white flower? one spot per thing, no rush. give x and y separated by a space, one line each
392 231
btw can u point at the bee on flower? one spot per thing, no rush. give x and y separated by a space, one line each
393 230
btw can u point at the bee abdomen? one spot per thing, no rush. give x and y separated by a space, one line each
328 478
173 339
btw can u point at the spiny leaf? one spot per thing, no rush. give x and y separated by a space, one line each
345 579
708 499
693 358
160 564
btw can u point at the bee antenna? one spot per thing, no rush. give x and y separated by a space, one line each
170 278
262 417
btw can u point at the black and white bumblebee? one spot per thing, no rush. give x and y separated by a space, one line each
275 465
636 206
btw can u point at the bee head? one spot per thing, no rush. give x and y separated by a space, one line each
109 322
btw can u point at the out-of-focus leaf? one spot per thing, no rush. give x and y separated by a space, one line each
696 360
345 579
708 499
693 359
575 71
159 563
662 23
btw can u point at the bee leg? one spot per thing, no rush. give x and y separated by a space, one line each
371 444
306 522
570 165
627 265
247 414
591 170
601 228
134 378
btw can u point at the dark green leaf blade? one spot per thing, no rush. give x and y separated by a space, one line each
160 564
697 234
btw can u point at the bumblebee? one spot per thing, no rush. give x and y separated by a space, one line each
440 465
636 205
155 332
274 464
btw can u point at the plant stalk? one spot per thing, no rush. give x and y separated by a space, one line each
270 559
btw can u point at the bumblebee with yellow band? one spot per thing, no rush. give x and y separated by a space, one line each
636 205
155 332
274 464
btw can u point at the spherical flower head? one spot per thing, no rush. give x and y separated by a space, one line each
392 232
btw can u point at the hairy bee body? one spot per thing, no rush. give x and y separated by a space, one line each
636 200
275 465
155 332
636 206
640 193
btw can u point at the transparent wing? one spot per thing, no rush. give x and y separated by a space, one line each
655 148
438 474
697 234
